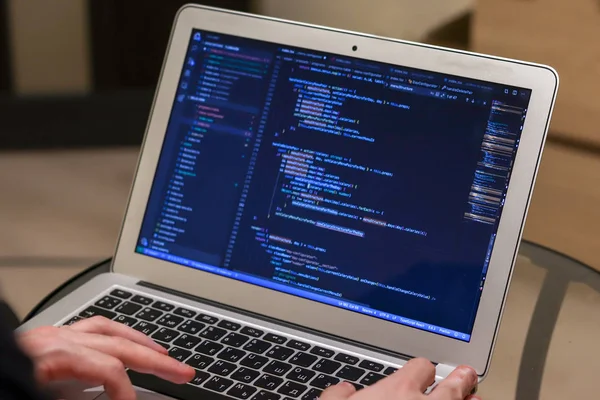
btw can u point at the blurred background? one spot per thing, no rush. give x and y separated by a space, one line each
76 83
77 80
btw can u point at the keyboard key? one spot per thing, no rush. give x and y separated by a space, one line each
161 305
269 382
121 293
245 375
218 384
350 373
165 335
257 346
179 354
148 314
357 386
166 346
235 339
264 395
254 361
279 353
241 391
209 348
292 389
191 327
326 366
184 312
252 331
277 368
269 337
92 311
390 370
371 378
346 358
187 341
199 361
72 321
231 354
142 300
208 319
295 344
222 368
128 308
108 302
199 378
125 320
320 351
371 365
303 359
324 381
312 394
213 333
169 320
145 327
232 326
301 375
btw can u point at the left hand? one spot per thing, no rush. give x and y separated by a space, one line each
96 351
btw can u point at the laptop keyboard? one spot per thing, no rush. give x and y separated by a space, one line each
243 362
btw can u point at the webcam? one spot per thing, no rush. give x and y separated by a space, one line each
354 48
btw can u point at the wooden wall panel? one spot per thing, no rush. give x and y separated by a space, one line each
564 34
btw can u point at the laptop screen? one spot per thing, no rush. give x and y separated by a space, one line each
367 186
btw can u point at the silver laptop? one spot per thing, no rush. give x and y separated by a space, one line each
313 205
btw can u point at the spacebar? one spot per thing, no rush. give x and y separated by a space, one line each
183 392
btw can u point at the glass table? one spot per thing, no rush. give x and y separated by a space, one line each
548 347
548 342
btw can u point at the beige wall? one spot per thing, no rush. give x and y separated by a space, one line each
49 46
560 33
50 38
403 19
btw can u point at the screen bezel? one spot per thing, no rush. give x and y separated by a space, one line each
542 80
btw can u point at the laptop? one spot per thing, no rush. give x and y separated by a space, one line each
314 205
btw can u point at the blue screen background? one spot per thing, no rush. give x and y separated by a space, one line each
367 186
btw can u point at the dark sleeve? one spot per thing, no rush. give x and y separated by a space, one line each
16 369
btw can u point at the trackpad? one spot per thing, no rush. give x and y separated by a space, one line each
141 394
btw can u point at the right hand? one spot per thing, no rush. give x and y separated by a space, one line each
409 383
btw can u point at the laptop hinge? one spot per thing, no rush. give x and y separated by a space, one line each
444 370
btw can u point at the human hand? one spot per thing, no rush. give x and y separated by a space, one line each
96 351
409 383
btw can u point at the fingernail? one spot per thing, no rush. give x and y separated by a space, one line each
468 370
184 368
185 372
347 385
474 378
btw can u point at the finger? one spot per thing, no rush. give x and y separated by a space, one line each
135 356
88 366
338 392
418 373
105 326
458 385
410 380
